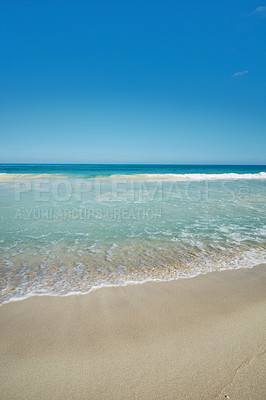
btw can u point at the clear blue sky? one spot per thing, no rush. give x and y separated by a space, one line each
133 81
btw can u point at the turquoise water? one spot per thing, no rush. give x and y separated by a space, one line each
94 170
69 228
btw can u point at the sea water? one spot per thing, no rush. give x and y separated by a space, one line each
71 228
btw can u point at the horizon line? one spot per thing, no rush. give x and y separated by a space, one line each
152 163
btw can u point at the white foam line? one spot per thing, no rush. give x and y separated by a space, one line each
127 283
4 177
190 177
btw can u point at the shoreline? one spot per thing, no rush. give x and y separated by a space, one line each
125 284
201 338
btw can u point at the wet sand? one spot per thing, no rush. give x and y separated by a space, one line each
198 338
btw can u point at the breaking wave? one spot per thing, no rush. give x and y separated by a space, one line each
6 177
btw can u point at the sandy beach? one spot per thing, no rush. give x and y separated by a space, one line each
198 338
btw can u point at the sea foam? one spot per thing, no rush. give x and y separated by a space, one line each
189 177
8 177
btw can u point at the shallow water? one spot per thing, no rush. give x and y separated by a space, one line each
70 228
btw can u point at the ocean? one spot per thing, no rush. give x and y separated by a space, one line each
71 228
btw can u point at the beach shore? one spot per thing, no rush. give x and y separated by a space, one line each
198 338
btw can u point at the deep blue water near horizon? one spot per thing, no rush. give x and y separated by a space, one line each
109 169
70 227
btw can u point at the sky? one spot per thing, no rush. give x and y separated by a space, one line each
133 81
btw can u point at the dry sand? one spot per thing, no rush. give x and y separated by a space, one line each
199 338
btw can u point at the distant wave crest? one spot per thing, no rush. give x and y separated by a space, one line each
6 177
190 177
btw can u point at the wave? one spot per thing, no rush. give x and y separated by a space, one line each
190 177
6 177
71 282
